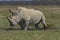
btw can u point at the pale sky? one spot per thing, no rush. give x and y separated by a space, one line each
15 0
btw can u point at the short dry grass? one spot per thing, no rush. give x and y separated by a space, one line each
52 14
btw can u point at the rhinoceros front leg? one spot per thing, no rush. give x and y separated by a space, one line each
26 24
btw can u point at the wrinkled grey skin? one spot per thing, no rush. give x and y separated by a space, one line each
15 18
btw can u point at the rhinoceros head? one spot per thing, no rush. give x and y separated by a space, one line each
11 21
12 18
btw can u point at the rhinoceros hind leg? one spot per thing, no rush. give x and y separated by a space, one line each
37 26
44 24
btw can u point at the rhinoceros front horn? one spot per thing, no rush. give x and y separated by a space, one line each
10 21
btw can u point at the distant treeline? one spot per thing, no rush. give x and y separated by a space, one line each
30 2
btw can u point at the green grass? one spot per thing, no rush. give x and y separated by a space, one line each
52 14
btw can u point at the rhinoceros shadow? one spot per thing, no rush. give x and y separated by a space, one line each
11 29
7 29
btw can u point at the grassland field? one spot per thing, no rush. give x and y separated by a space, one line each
52 14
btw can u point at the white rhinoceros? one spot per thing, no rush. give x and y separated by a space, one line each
27 16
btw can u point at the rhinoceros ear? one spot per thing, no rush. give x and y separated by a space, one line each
11 11
19 8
